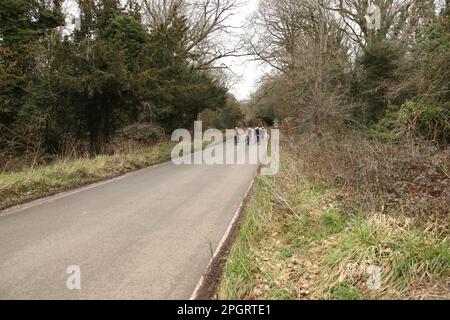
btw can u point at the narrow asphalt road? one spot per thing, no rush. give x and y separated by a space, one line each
146 235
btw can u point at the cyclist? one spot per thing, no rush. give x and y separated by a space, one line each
248 138
236 135
258 133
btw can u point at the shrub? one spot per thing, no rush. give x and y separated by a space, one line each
144 133
379 177
415 120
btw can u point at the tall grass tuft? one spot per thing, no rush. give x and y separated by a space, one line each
340 206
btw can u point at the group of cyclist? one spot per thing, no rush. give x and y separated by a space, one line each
257 134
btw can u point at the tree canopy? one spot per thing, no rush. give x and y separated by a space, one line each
125 63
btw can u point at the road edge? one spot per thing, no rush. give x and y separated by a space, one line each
74 189
50 197
207 285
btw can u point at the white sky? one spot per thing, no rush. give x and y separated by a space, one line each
247 72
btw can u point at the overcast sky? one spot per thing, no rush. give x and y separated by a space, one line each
247 72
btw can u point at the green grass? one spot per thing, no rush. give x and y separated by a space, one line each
296 242
407 256
333 221
240 266
20 186
344 291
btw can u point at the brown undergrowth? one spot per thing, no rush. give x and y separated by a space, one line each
343 211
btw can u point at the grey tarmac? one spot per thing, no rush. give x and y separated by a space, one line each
145 235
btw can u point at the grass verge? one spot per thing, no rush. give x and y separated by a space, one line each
301 240
21 186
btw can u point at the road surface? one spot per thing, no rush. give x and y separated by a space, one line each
146 235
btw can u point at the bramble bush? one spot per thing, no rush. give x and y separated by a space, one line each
414 120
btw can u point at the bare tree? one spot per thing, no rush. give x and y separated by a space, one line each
304 41
399 19
278 25
282 28
210 35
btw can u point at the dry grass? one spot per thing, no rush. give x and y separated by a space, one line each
313 231
373 177
20 186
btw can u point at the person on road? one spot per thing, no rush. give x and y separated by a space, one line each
248 137
236 135
257 133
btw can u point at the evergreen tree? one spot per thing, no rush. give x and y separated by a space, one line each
25 25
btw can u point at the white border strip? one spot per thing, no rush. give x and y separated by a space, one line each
224 238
